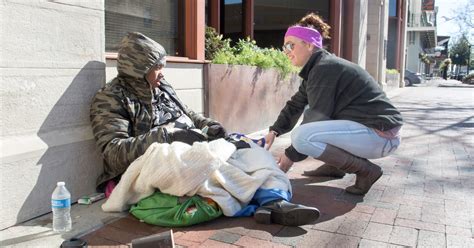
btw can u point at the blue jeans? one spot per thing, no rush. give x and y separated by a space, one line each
261 197
311 139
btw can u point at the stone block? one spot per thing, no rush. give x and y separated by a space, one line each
404 236
431 239
44 100
193 99
51 66
385 216
78 164
225 237
61 36
378 232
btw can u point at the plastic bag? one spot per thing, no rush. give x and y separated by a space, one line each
165 210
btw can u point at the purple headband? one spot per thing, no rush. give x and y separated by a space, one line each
309 35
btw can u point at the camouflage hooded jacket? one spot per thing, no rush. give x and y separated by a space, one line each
121 112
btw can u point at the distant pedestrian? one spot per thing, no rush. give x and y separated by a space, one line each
445 73
445 66
347 118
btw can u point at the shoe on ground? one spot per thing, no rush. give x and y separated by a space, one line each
325 170
365 181
286 214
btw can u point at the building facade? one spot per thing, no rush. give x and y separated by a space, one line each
57 54
421 35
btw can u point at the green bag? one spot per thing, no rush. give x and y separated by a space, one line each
165 210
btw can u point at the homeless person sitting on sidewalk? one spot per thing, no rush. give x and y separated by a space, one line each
347 118
150 140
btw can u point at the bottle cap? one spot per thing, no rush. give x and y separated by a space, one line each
74 242
61 184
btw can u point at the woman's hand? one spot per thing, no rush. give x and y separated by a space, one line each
269 138
284 163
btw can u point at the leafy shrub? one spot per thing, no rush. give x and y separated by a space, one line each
214 43
245 52
392 71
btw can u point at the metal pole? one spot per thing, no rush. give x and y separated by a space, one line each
469 60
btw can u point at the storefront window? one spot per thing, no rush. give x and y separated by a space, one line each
157 19
273 17
392 8
232 18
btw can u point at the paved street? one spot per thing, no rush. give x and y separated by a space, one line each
424 198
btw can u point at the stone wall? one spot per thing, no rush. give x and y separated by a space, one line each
51 64
359 35
377 28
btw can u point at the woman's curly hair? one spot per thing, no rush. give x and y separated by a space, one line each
315 21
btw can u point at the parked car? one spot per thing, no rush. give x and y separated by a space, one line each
469 79
459 76
411 78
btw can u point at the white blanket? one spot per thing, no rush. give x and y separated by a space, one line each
214 170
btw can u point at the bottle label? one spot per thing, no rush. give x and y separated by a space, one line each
64 203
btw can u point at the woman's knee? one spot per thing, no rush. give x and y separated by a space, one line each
299 139
301 143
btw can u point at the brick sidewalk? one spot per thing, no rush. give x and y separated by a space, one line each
424 198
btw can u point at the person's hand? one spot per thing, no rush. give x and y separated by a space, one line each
215 131
186 136
269 138
284 163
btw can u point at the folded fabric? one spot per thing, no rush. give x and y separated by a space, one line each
243 137
209 169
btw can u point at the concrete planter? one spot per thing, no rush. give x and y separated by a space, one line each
392 81
246 98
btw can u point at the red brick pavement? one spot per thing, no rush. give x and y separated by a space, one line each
424 198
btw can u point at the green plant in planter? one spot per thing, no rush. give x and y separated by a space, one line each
245 52
392 71
214 43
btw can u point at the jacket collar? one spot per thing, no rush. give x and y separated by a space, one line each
314 59
138 86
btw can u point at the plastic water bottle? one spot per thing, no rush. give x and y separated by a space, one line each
61 205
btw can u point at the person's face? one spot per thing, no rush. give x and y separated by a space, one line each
297 50
154 76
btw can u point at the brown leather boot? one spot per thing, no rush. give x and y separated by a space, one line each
286 214
325 170
367 172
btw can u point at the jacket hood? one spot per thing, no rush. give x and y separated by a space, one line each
137 54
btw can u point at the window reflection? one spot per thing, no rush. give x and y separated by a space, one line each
392 8
273 17
232 18
157 19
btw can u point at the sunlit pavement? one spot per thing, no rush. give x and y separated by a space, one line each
424 199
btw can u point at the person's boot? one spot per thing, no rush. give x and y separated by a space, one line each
286 214
325 170
367 172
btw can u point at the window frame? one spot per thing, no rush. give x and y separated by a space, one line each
191 36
